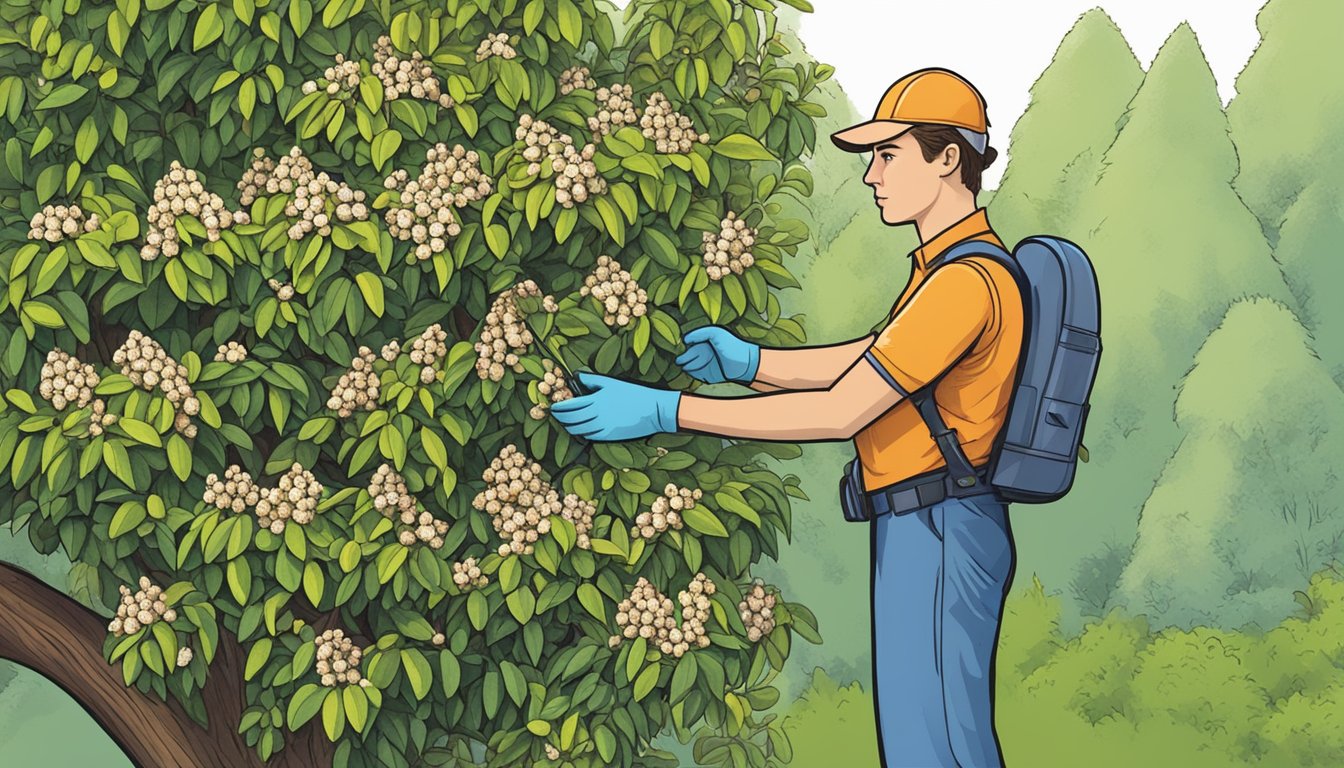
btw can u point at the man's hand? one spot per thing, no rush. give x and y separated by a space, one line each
713 355
617 410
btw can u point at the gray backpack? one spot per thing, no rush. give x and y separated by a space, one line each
1035 455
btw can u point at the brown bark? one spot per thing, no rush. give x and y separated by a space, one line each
62 640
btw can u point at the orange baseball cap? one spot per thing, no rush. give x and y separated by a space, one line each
928 96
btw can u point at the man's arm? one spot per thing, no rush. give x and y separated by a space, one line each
807 367
838 412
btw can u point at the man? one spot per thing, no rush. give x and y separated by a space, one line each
939 572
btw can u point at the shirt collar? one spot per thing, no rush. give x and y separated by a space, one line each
977 223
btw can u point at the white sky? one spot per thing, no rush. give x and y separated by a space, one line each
1002 47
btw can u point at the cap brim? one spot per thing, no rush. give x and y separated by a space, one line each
864 136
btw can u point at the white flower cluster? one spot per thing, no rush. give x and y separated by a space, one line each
758 611
438 639
618 293
357 388
548 304
57 222
449 178
576 176
666 511
467 575
428 349
671 131
66 381
138 611
551 752
647 613
401 76
283 291
180 192
294 498
317 197
101 418
148 366
553 387
234 492
574 77
495 45
390 351
615 110
233 352
520 503
338 659
728 252
392 498
427 529
183 656
341 76
504 334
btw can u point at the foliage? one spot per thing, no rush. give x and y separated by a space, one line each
1076 110
831 724
1262 422
127 88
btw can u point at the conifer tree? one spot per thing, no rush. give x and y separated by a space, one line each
1173 246
1289 105
1074 115
1247 508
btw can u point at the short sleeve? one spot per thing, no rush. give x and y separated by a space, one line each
941 321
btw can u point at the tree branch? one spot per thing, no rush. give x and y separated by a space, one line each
61 640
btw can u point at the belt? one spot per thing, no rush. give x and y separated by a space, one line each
923 490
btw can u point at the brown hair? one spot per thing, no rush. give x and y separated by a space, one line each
934 138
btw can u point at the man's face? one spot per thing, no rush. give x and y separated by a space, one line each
904 183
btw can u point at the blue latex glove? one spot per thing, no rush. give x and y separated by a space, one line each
713 355
615 409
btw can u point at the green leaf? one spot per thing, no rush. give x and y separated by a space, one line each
372 289
478 609
606 742
140 431
257 657
591 599
313 581
418 672
539 727
522 604
450 672
571 22
64 94
240 577
385 145
306 702
86 141
646 681
704 521
179 456
129 515
738 506
333 714
683 678
434 447
740 146
209 26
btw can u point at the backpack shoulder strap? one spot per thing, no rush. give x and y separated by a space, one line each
958 465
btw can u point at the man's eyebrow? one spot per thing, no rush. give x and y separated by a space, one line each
885 146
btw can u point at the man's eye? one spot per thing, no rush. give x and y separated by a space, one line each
887 155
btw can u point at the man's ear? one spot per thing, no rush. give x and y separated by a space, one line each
950 160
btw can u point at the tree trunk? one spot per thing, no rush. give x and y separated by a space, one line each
61 640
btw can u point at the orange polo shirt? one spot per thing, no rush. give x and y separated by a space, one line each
969 307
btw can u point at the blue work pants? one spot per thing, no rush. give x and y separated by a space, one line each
939 577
